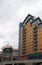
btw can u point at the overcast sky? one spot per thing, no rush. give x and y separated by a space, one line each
11 13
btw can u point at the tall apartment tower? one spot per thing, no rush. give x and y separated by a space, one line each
30 38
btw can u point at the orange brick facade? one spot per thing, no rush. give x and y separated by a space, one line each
30 36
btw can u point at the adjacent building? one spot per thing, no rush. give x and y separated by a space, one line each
30 38
8 54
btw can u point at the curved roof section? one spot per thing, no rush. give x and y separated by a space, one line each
7 46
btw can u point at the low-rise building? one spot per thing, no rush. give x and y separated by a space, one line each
8 53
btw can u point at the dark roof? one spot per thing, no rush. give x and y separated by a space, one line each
29 20
30 17
27 17
36 20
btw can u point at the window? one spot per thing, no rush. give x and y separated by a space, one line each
40 49
24 53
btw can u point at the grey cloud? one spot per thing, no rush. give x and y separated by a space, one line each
2 36
7 42
13 44
9 8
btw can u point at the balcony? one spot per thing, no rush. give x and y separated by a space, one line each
34 44
24 29
24 38
35 49
24 33
35 34
24 53
35 39
35 28
23 41
23 44
35 31
23 49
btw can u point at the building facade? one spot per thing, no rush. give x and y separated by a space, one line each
30 38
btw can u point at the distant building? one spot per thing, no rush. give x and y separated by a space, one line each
8 54
30 38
